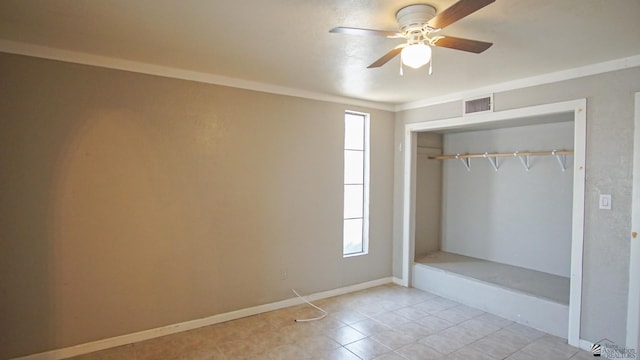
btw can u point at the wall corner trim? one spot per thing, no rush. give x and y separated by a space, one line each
198 323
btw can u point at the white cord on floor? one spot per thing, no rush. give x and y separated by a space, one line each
324 313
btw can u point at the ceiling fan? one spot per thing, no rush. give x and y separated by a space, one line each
418 25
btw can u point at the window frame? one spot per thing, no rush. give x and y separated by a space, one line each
365 182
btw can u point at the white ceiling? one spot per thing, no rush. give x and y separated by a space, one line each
286 43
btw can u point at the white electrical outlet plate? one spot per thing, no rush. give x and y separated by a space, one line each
605 201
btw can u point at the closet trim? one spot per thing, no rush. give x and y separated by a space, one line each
579 110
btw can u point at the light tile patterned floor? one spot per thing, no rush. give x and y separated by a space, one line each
386 322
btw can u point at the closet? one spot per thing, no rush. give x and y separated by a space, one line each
493 218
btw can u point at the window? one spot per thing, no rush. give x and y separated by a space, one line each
356 184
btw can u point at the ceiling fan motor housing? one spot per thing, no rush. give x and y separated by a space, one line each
414 17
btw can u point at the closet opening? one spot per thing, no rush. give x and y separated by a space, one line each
494 210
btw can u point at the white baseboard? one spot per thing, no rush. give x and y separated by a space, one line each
397 281
585 345
194 324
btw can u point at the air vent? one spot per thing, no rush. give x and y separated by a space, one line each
478 105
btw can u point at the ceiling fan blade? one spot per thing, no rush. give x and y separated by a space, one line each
365 32
456 12
388 56
473 46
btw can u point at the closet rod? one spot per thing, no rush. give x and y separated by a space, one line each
493 155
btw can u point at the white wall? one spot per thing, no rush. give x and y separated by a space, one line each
511 216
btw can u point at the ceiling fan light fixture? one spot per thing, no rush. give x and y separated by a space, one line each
416 55
417 24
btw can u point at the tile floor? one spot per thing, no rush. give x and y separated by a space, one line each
386 322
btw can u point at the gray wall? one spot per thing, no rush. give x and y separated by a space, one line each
428 194
129 202
609 166
510 216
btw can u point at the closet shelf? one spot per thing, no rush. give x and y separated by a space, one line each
493 155
560 155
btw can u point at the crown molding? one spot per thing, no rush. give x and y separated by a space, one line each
593 69
45 52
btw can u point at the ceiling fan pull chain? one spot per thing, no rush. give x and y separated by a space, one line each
401 72
431 66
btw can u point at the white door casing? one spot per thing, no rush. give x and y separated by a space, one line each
579 109
633 306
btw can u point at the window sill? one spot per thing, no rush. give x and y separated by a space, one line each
356 254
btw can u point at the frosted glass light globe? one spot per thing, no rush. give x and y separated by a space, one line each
416 55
